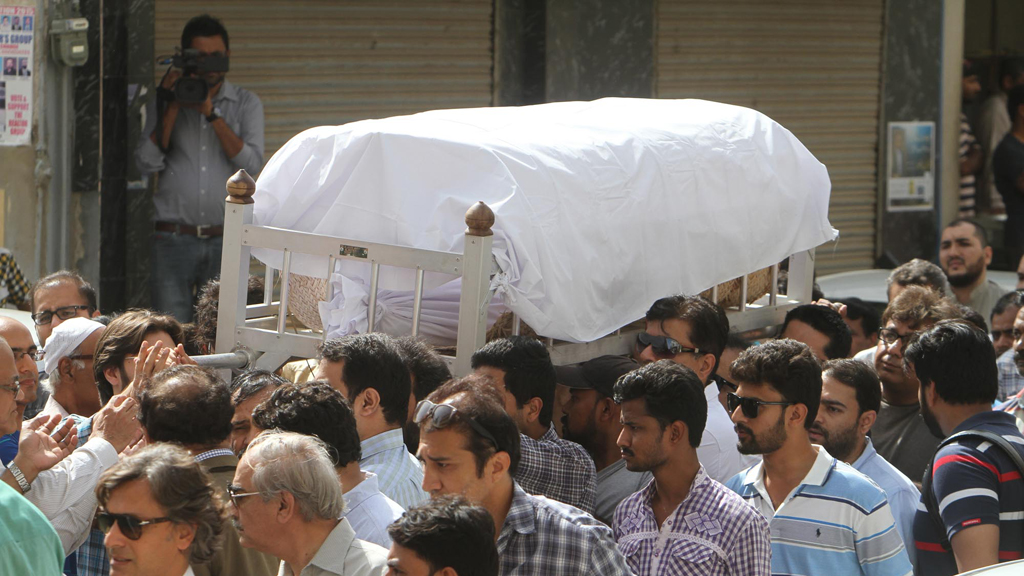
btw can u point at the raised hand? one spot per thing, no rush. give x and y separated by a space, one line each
43 444
117 422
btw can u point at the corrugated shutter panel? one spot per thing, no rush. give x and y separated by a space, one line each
323 62
814 66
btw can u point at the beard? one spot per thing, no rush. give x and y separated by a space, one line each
839 444
645 462
931 421
585 437
969 276
769 442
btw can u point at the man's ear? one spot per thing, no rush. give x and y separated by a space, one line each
95 314
866 421
446 571
287 507
113 375
497 465
797 415
987 251
678 432
64 366
605 411
531 410
367 402
183 535
706 366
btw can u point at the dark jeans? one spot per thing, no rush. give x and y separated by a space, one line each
181 265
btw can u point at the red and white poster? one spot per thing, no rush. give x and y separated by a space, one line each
17 30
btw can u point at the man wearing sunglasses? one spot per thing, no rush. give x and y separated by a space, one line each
683 522
899 433
160 514
821 511
692 331
191 407
469 446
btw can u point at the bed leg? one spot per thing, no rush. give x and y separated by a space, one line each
234 263
476 284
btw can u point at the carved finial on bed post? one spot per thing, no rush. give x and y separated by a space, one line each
479 219
240 188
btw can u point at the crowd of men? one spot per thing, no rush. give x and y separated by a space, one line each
701 452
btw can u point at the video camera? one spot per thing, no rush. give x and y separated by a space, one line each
191 88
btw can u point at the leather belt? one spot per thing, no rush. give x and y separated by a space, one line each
189 230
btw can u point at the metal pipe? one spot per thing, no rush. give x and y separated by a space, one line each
372 312
282 311
236 360
517 327
268 284
773 299
743 293
417 302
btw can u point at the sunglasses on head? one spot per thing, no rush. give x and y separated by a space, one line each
749 406
129 525
662 345
441 415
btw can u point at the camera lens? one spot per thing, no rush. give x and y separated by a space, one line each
190 90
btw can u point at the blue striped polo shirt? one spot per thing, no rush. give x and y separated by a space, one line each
836 521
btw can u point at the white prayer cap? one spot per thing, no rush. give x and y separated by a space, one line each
65 339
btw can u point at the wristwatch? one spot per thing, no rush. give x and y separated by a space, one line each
20 477
214 115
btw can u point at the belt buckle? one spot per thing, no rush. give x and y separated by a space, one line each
200 234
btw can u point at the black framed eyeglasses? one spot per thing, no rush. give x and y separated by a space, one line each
34 353
723 383
441 415
889 336
129 525
662 345
13 386
235 492
64 313
749 406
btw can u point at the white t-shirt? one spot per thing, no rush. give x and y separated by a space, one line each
717 451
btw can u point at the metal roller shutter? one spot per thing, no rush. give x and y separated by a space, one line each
323 62
812 65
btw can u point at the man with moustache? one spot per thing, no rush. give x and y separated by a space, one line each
973 495
1003 316
899 434
850 399
683 522
965 254
1015 405
591 420
824 515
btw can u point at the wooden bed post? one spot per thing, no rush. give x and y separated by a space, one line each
234 263
476 285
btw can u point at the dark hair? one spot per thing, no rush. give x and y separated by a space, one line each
973 316
959 359
787 366
529 372
671 392
448 531
917 306
1014 100
204 334
736 342
313 409
827 321
203 26
186 405
252 382
123 337
474 397
1012 67
859 376
979 231
85 289
868 316
372 361
709 326
1013 299
918 272
427 368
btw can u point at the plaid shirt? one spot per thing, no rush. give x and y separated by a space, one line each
1010 380
559 469
712 532
399 473
13 287
544 537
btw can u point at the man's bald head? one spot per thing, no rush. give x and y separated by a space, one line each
10 415
23 349
188 405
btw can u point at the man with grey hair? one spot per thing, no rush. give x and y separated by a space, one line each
160 513
69 354
286 501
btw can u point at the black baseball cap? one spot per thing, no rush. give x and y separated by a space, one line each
599 374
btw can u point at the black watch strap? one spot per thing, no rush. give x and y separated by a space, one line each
213 116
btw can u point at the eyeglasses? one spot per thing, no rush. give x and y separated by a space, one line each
997 334
749 405
129 525
235 492
441 415
80 357
64 313
13 387
723 383
889 336
34 353
662 345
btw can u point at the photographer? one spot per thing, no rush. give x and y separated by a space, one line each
199 131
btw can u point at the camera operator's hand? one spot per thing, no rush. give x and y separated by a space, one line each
205 107
169 79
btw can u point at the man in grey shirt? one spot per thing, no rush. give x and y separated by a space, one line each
591 420
195 148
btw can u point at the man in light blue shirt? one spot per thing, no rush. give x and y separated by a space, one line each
850 399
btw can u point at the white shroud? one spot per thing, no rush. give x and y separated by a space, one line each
600 207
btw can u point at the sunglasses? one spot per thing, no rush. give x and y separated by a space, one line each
441 415
662 345
129 525
723 383
749 406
